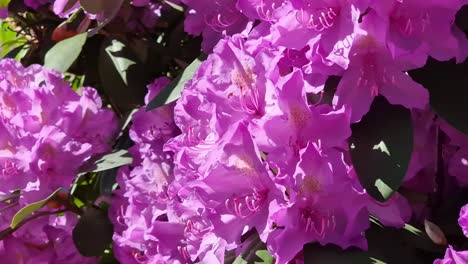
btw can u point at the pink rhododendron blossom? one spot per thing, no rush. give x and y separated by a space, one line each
258 144
414 29
327 25
213 19
47 132
371 72
229 115
453 257
151 224
463 219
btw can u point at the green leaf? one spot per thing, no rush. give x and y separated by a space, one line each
173 91
123 76
381 145
447 83
31 208
265 256
4 3
62 55
386 245
115 159
239 260
92 234
9 40
174 5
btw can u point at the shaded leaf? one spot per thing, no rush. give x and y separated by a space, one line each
173 91
31 208
123 76
93 233
446 82
386 245
62 55
381 145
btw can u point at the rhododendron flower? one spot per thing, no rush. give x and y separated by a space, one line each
453 257
372 72
213 19
47 132
150 223
238 203
319 212
326 25
414 29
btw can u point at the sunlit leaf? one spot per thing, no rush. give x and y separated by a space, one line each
62 55
173 91
31 208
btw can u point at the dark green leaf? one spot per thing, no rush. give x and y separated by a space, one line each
254 252
4 3
386 245
62 55
123 76
173 91
93 233
381 145
31 208
108 258
447 83
99 6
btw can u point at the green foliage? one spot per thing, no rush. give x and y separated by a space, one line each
123 76
61 56
31 208
173 91
381 145
93 233
447 83
254 252
386 245
115 159
10 42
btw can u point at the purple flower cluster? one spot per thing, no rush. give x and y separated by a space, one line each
453 256
259 148
138 15
47 132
